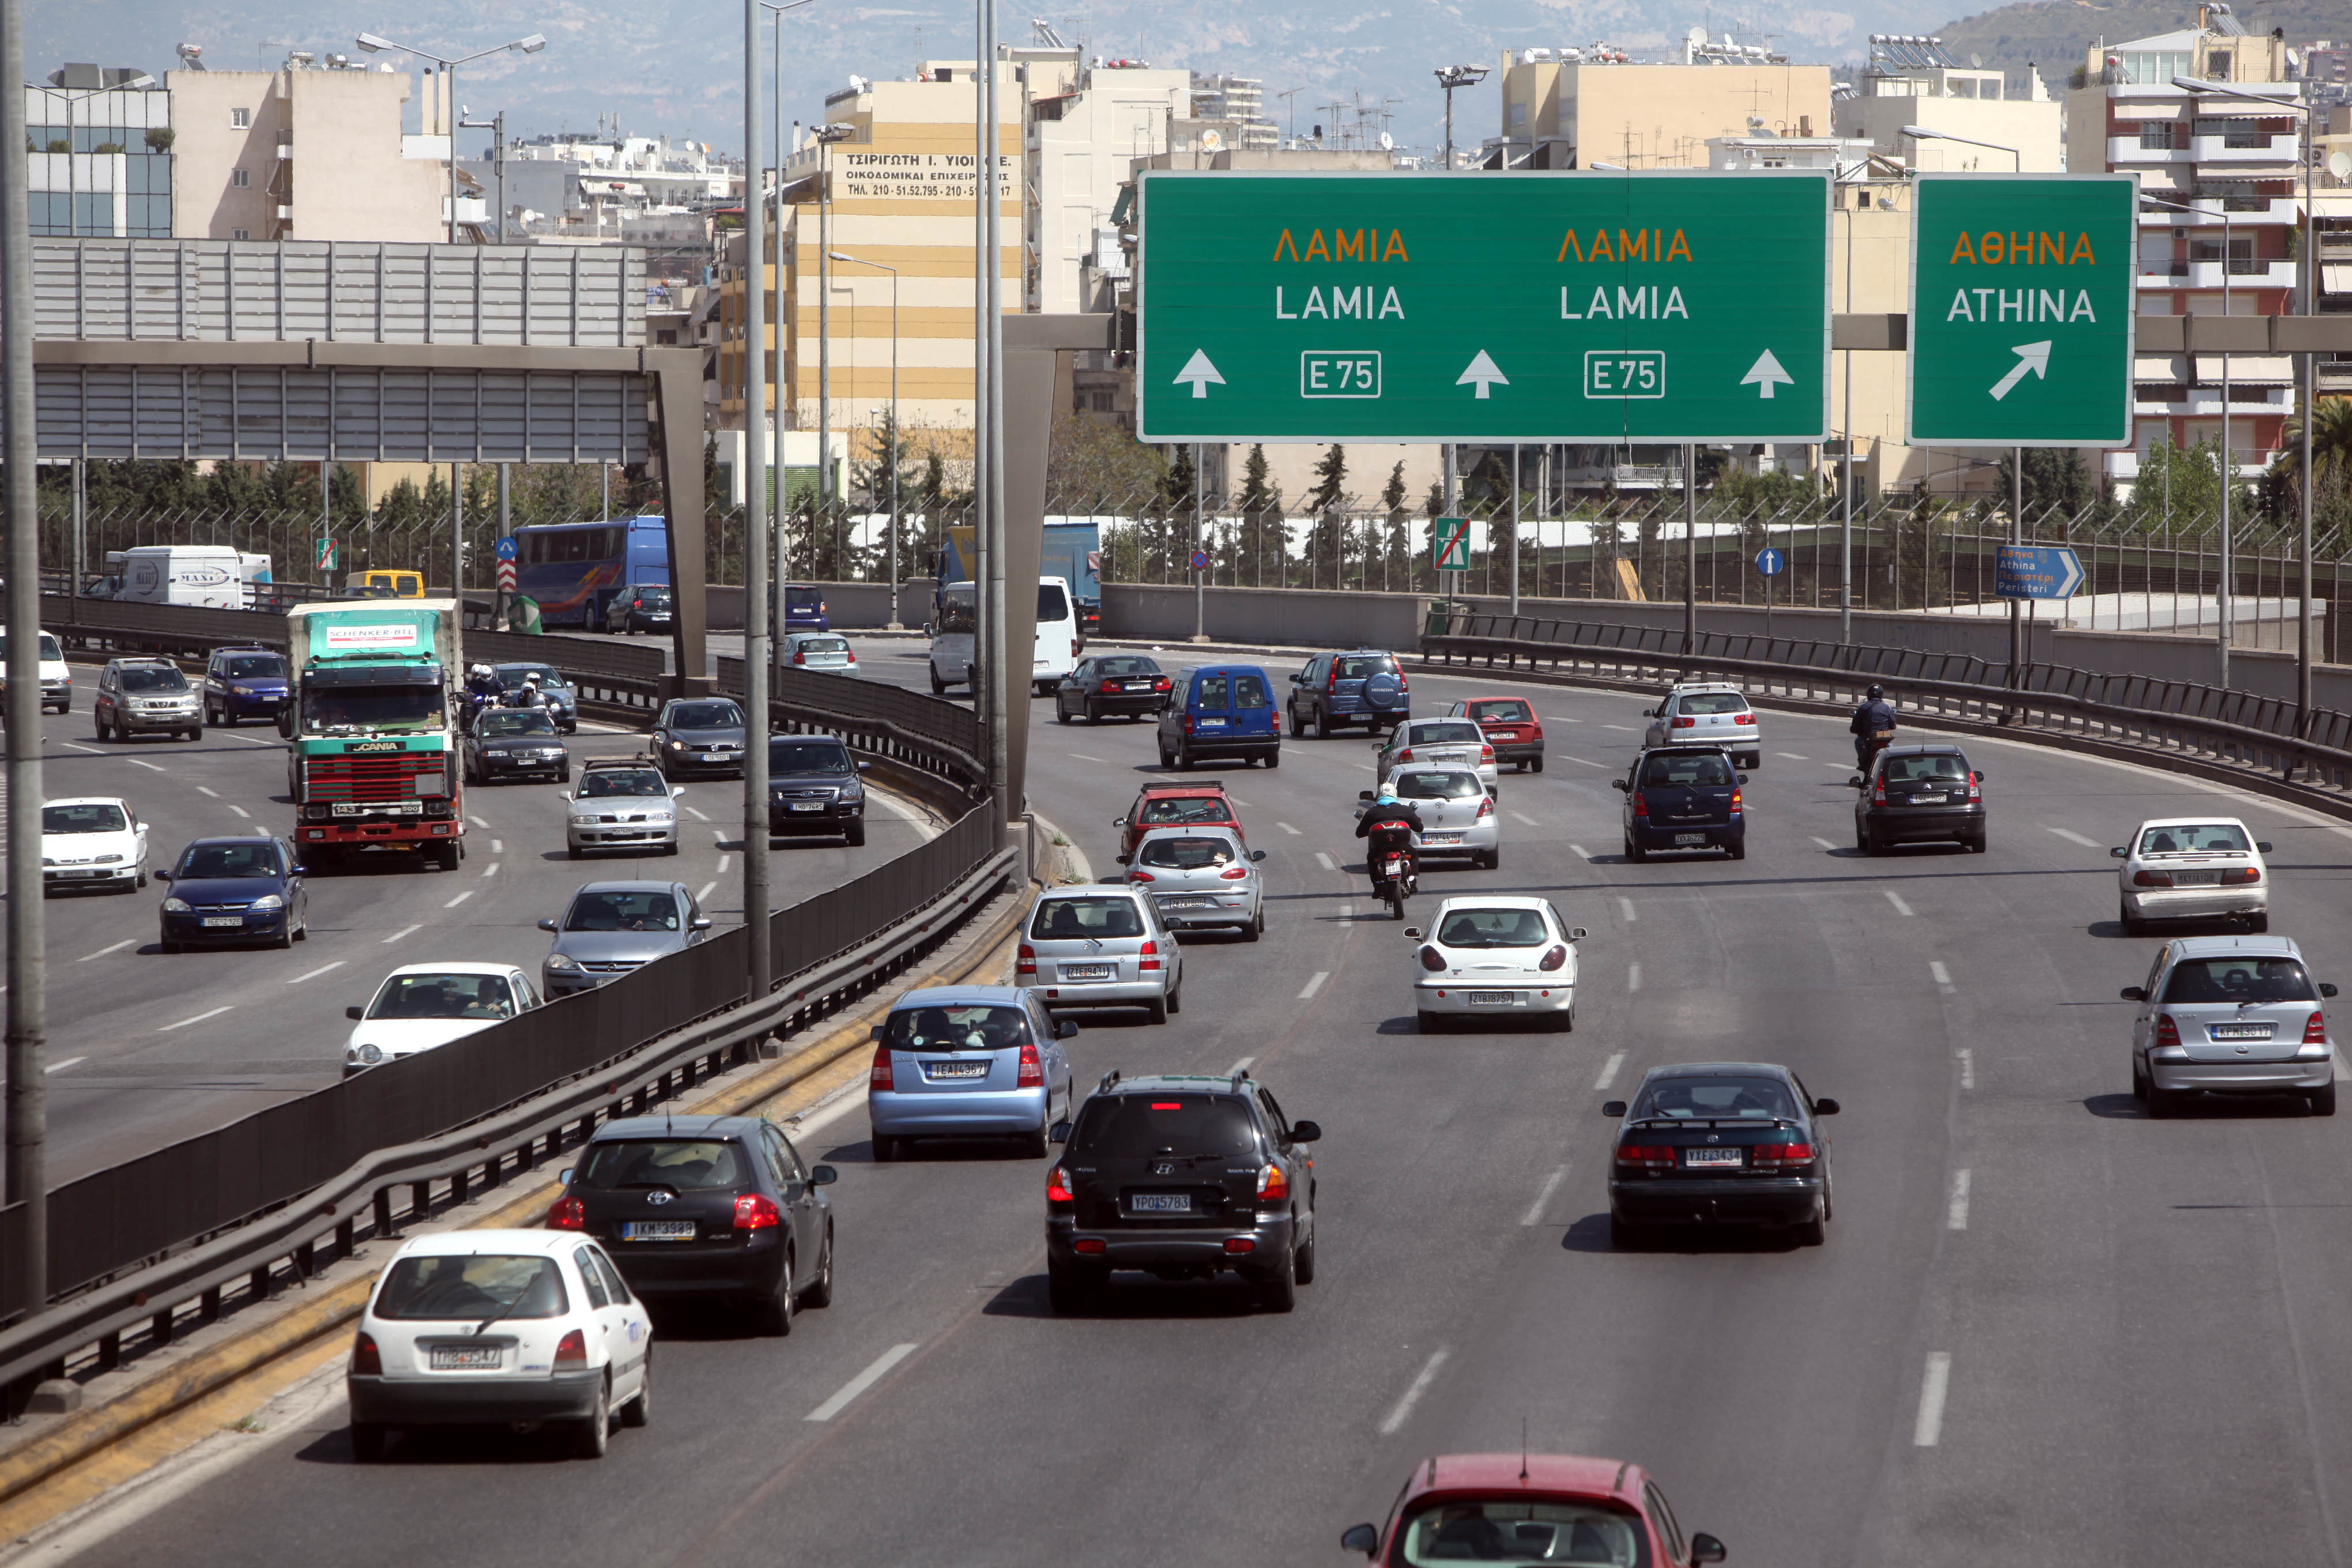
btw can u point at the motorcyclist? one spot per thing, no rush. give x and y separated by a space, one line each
1389 825
482 690
527 695
1874 718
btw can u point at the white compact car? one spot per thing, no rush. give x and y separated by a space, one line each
1457 813
2192 868
421 1006
1201 876
819 650
1444 742
92 841
477 1327
1496 957
1707 713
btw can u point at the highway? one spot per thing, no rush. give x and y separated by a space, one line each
2043 1330
146 1047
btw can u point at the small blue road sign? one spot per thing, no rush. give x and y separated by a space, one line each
1770 561
2037 572
1200 561
507 548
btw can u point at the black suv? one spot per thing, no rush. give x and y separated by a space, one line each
814 787
1180 1177
706 1207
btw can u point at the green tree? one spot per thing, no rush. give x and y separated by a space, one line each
1326 534
1261 557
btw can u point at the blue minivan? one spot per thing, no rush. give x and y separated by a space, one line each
1221 711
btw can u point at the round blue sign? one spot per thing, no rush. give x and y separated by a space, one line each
1770 561
506 549
1200 561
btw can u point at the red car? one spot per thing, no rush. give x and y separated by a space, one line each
1200 804
1510 726
1540 1508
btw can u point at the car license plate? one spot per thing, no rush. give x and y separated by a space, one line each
808 806
1138 686
1690 837
1493 998
1703 1157
1436 840
1192 901
387 808
1212 723
1160 1203
468 1358
1925 799
658 1230
1088 971
82 873
2193 878
223 919
2240 1031
949 1072
709 756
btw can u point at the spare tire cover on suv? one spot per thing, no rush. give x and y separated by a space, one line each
1380 690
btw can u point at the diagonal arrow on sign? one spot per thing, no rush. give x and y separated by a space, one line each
2034 357
1484 373
1200 372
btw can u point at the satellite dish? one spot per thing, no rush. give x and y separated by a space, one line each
1976 61
1696 37
1388 143
1213 140
2340 165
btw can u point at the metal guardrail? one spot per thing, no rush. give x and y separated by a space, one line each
871 716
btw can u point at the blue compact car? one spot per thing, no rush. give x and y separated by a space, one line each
967 1061
1222 711
243 683
230 891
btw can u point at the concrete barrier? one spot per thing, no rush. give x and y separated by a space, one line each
852 607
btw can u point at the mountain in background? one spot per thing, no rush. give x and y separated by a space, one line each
2054 34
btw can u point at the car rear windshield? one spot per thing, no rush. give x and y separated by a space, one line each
513 675
1053 605
1186 808
2195 839
808 757
1691 771
1359 668
1447 732
706 716
1920 770
1713 703
1719 1098
653 594
515 721
806 598
980 1027
685 1165
207 860
1436 786
1187 854
100 816
2238 979
1249 691
153 677
1135 1125
1492 928
487 1284
635 782
1071 918
257 667
1130 665
822 645
51 653
1520 1532
1512 712
443 996
622 911
1218 693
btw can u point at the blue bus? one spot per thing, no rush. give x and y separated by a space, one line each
574 569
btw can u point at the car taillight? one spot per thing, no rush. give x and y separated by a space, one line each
1736 796
1057 1187
1878 792
1745 718
1974 781
1150 955
1033 1071
1486 753
1109 686
1431 960
1162 684
1641 806
800 656
569 1213
1554 959
366 1360
2152 879
1141 877
1273 1187
1188 723
2241 876
1333 684
882 1076
1074 647
1405 755
1233 874
757 1211
1026 961
571 1350
2168 1033
2315 1029
852 654
1780 1156
1647 1156
1485 807
1684 723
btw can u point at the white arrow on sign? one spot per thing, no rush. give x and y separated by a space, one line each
1764 374
1483 374
2034 357
1200 372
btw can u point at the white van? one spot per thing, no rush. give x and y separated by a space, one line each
57 680
213 576
1060 637
956 622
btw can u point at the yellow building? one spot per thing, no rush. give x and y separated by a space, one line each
1562 112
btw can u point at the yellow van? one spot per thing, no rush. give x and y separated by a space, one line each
401 584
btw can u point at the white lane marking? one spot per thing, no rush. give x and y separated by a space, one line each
316 973
1958 1218
404 930
1943 975
1367 767
202 790
1315 984
1933 1386
1396 1417
696 814
1523 816
1346 911
723 861
1234 798
2071 837
1848 767
102 951
491 870
1608 1071
60 1067
1625 908
149 766
459 900
1627 728
1543 1198
1084 758
1793 756
498 846
77 745
478 822
1896 899
704 896
198 1019
241 812
1555 718
1587 762
1968 1067
249 740
1633 976
1325 861
1582 853
1287 828
1823 842
865 1380
1241 1066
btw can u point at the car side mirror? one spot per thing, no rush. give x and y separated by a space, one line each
563 1177
2264 845
1706 1548
2120 853
1065 1028
1612 1108
1363 1538
1059 1132
1124 859
1363 794
677 789
2133 994
1854 781
1119 822
163 876
1414 931
1826 1108
866 767
1619 785
2325 989
1741 777
1576 933
1305 1131
876 1031
1256 855
1295 678
1649 712
699 922
353 1012
823 1175
547 922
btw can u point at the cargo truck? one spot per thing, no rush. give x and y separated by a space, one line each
374 766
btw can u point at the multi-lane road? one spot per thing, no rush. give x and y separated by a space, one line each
2044 1329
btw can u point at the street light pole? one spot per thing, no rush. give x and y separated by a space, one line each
373 44
757 960
1921 133
1449 79
893 453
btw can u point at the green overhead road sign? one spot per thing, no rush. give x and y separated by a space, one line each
2022 309
1449 543
1656 307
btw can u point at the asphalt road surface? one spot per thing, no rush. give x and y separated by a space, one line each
2045 1330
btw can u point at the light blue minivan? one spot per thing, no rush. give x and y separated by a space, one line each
967 1061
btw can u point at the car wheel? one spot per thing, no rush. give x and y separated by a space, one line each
1094 714
1297 729
167 944
886 1150
1034 1143
855 834
1176 999
1814 1231
1635 852
1865 840
1279 1292
820 1290
563 774
1157 1007
1303 1259
2161 1102
1736 848
143 877
2323 1101
1060 714
285 939
367 1442
639 1410
938 686
1274 758
772 1315
2260 922
1976 843
573 850
1492 860
1167 758
1537 765
595 1435
1069 1289
2140 1081
1254 927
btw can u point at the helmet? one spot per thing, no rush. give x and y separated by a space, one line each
1876 691
1388 796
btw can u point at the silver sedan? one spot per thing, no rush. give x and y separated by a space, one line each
1450 742
1201 876
2192 868
1101 946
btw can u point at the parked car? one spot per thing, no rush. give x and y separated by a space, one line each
243 683
1524 1509
1511 726
1706 714
1714 1143
2193 868
1919 795
513 743
563 702
647 608
805 609
967 1061
1101 946
709 1208
235 888
1203 802
2231 1015
1113 685
1223 711
814 787
819 650
92 841
495 1327
623 803
423 1007
1457 814
1366 687
1201 879
1180 1177
1683 798
612 927
1495 956
136 695
1444 742
700 735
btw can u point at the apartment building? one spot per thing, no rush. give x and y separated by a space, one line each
1239 98
2220 203
1573 108
1980 116
1084 131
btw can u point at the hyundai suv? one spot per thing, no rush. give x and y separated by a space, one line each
1184 1178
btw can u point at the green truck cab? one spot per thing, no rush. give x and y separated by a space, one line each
373 762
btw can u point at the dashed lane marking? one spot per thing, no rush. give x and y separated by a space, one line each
1287 828
1523 816
1608 1071
1896 899
1957 1217
404 930
150 767
1793 756
1325 861
498 846
703 897
1627 728
241 811
1933 1386
1823 842
459 900
873 1375
316 973
202 790
1943 976
198 1019
491 870
1583 762
77 746
1315 984
1968 1067
102 951
2071 837
1402 1410
724 860
696 814
1632 977
1543 1198
1084 758
1581 852
1242 1067
69 1061
478 822
1625 908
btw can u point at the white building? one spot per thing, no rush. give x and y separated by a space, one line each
1911 82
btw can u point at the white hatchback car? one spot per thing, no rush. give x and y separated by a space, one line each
473 1327
1442 742
92 841
1707 713
819 650
2192 868
422 1006
1101 946
1456 811
1499 956
1201 876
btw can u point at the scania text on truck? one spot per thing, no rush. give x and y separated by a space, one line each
373 767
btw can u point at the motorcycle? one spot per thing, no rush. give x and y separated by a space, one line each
1872 744
1392 879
